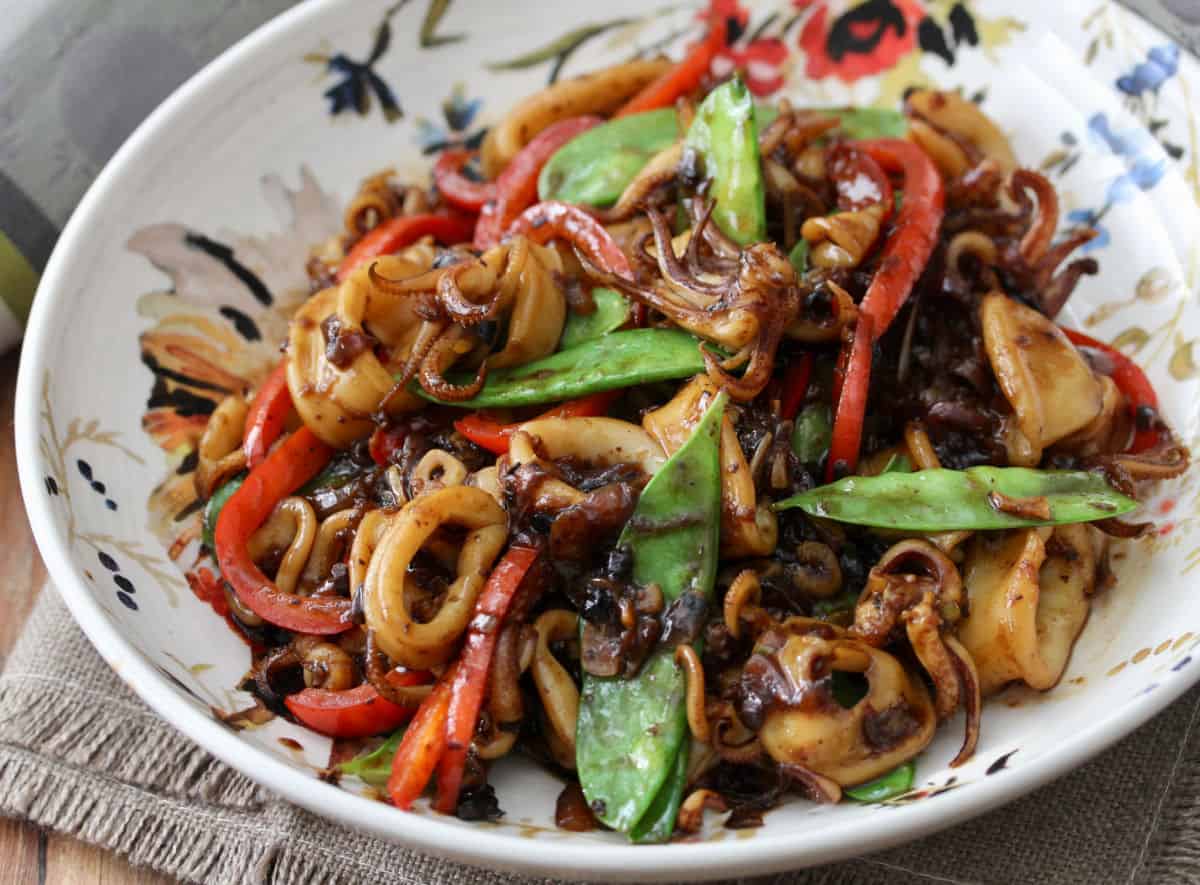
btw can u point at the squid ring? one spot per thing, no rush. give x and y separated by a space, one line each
437 469
505 705
400 635
329 545
598 441
374 523
292 522
219 453
836 742
555 687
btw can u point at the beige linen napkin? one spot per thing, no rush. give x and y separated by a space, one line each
82 755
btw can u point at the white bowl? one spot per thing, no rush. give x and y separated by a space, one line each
248 155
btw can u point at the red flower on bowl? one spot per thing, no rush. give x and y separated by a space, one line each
860 41
761 63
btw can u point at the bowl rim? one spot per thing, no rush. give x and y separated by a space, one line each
766 853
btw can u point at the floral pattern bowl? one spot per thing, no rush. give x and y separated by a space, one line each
172 284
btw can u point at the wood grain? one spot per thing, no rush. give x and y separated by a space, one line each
27 854
19 851
73 863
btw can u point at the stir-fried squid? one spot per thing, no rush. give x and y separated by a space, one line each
574 484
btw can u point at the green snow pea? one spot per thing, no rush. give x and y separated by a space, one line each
949 500
812 433
724 138
375 766
871 122
658 823
595 167
799 257
611 313
212 509
631 733
622 359
897 464
887 786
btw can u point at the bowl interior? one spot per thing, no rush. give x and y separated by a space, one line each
175 277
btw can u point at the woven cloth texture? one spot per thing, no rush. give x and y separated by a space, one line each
80 754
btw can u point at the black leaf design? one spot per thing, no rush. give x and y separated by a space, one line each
383 92
246 327
931 39
962 25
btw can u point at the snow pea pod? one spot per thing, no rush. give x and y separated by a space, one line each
594 168
813 430
622 359
611 313
978 498
887 786
630 736
212 509
658 823
799 257
724 140
859 123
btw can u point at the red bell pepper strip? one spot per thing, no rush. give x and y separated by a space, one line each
551 220
394 234
210 588
487 227
455 188
683 78
1132 382
795 386
287 467
207 588
904 257
474 663
915 232
858 179
852 403
267 415
516 186
486 432
354 712
492 435
423 745
384 443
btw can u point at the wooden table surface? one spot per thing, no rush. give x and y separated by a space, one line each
28 854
